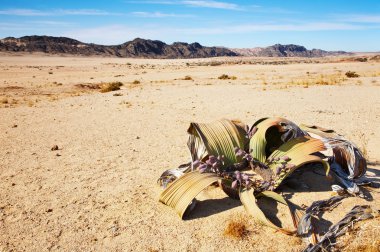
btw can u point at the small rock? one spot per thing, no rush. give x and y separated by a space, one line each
54 148
137 137
49 210
58 155
14 126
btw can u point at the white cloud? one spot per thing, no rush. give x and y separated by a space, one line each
158 15
249 28
354 18
60 12
212 4
88 12
153 2
11 27
23 12
196 3
52 23
296 27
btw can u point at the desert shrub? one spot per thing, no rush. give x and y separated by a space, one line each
361 59
136 82
351 74
227 77
215 63
111 86
88 86
187 77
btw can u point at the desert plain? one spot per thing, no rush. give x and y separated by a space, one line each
98 191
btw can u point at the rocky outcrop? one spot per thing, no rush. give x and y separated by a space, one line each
291 50
144 48
138 48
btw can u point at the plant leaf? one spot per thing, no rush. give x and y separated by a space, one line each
170 175
182 191
270 134
345 153
217 138
299 151
357 213
249 201
306 224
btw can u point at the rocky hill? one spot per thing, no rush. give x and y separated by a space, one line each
279 50
138 48
143 48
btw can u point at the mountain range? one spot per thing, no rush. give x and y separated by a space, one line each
144 48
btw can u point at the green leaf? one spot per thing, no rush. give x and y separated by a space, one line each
182 191
270 134
249 201
299 151
217 138
258 141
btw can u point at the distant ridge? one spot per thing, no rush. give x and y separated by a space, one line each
144 48
291 50
137 48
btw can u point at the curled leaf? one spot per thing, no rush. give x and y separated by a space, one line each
181 192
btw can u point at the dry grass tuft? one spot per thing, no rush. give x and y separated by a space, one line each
111 86
227 77
187 77
126 103
321 79
351 74
236 229
88 86
136 82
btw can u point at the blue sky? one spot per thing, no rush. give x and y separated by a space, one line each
330 25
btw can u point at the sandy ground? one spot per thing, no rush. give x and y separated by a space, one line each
98 191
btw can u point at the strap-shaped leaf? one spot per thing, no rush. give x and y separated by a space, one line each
217 138
325 133
345 153
170 175
249 201
357 213
258 141
299 151
272 132
182 191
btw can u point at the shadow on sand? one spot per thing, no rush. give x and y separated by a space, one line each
210 207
